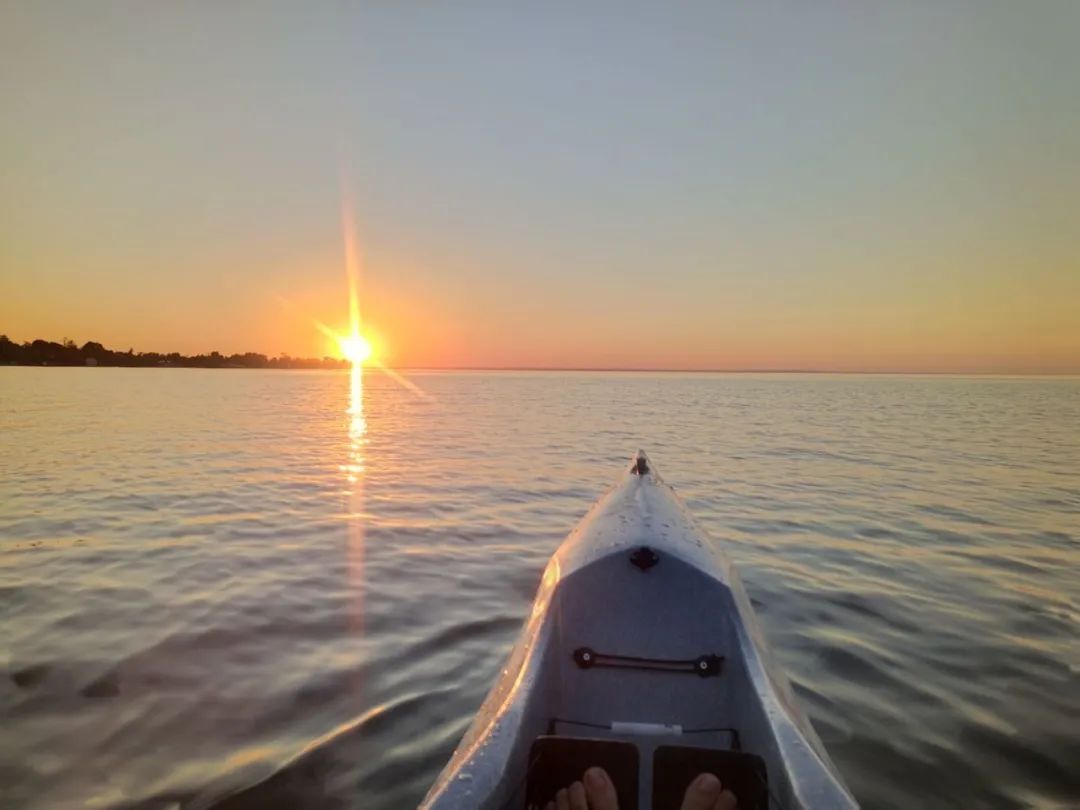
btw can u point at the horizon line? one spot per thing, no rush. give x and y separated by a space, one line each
683 370
597 370
643 369
602 370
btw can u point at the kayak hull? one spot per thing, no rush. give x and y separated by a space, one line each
640 590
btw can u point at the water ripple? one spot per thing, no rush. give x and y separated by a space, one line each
215 593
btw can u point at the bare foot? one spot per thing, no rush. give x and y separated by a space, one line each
597 792
706 793
600 790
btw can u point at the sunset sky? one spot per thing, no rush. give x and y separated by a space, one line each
830 185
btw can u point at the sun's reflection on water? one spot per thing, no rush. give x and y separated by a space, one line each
354 468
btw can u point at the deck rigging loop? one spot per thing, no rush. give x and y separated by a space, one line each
705 666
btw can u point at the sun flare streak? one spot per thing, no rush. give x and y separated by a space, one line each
352 261
355 348
403 381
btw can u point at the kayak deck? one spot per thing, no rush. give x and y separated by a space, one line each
641 635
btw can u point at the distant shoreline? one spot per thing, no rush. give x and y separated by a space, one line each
342 365
43 353
68 354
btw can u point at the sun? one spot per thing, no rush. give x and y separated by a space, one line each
355 348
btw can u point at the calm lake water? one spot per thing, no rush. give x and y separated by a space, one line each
221 584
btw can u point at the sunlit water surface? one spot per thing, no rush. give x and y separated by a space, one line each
272 589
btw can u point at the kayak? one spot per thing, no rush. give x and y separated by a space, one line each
641 655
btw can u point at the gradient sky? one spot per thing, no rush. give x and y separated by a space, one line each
833 185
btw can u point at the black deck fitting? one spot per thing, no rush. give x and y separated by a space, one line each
644 558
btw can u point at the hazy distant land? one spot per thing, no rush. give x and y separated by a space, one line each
67 353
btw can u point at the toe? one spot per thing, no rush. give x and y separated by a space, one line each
562 800
727 801
702 793
577 797
600 790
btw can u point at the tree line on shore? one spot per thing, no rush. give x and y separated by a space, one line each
68 353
